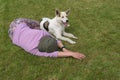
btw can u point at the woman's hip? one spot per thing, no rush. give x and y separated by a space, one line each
31 23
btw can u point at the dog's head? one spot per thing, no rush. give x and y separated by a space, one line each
62 17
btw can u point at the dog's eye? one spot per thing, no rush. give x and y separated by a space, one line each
62 16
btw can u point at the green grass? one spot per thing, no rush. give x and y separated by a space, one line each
95 22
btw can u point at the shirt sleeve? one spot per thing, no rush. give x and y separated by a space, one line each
44 54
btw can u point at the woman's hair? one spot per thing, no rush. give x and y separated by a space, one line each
48 44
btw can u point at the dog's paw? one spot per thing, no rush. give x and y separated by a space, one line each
75 37
72 42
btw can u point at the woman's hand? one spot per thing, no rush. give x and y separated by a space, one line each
77 55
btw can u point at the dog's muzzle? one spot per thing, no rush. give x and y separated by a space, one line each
66 23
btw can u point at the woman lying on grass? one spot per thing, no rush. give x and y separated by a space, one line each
26 34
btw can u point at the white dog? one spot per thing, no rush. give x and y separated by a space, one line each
56 26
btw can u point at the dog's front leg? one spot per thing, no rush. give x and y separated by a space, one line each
58 36
69 35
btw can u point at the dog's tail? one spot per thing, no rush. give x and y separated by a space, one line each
40 20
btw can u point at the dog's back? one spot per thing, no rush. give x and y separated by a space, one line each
44 24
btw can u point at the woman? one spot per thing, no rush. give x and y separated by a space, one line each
26 34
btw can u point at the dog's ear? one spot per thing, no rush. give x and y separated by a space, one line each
68 11
57 12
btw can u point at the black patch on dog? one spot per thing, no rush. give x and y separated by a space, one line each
45 25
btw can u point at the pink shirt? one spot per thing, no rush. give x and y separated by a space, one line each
28 39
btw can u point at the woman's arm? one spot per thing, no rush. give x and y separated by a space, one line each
76 55
67 53
63 53
58 54
44 54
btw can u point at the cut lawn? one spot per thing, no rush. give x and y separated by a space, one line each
95 22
